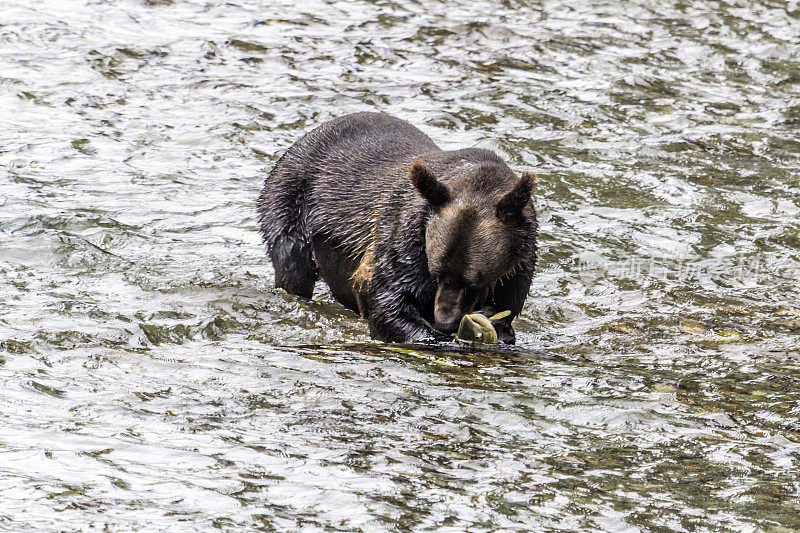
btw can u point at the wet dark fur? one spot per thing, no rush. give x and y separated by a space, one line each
345 204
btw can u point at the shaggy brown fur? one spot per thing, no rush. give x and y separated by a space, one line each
410 236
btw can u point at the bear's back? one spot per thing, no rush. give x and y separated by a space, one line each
347 165
359 144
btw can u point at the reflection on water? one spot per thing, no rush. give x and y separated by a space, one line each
151 375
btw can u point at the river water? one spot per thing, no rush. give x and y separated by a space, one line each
153 378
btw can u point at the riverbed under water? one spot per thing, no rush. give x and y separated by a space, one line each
153 378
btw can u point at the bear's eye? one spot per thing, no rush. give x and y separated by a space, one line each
475 281
470 285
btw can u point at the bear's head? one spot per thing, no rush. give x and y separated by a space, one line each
479 229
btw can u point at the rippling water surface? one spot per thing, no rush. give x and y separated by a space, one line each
152 377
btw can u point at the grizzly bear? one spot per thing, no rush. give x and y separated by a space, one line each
410 236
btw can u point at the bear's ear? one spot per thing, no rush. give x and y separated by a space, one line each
510 206
428 186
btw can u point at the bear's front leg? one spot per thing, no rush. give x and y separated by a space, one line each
399 285
394 320
394 311
505 333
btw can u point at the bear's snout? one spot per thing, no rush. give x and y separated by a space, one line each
449 324
450 305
